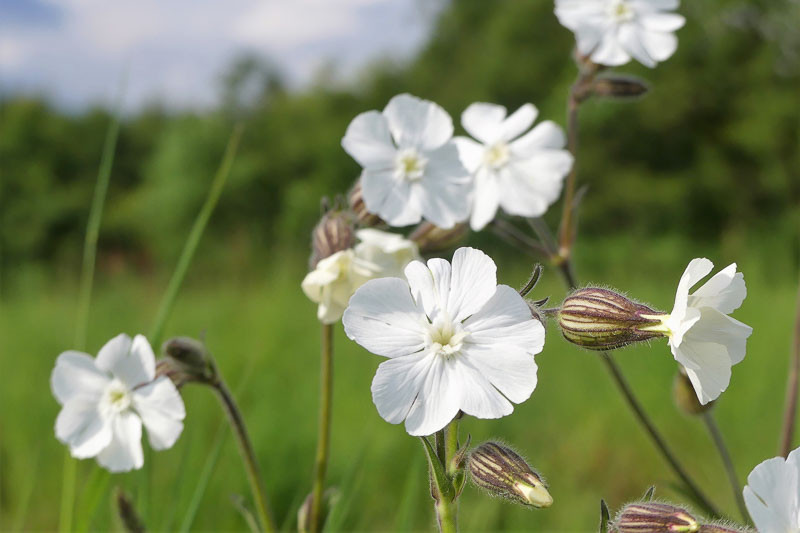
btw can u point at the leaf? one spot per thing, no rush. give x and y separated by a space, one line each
604 517
648 496
442 484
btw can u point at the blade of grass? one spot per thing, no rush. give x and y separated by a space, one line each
179 483
408 501
25 492
340 509
93 493
85 295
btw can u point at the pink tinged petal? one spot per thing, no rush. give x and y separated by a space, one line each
124 453
719 328
632 40
438 400
444 191
472 283
369 142
479 397
486 199
725 291
484 121
771 496
132 362
695 271
518 122
546 134
397 384
389 198
418 123
161 409
81 426
76 374
610 52
661 22
470 153
383 318
659 46
708 366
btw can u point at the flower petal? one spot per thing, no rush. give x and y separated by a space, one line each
632 40
124 453
484 121
444 191
659 46
695 271
76 374
472 283
418 123
719 328
725 291
397 383
530 186
369 142
470 153
161 409
479 397
707 365
771 495
132 362
81 426
546 134
518 122
509 368
390 199
383 318
610 52
438 400
661 22
486 199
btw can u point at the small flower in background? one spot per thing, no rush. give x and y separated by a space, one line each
412 169
336 277
520 172
610 32
772 494
454 339
702 337
107 399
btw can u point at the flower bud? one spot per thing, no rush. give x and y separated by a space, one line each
333 233
619 87
655 518
685 397
502 472
127 513
600 319
359 208
186 360
431 238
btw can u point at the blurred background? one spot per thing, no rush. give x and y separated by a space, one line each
707 164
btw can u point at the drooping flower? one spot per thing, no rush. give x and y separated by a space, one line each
702 337
411 167
610 32
520 172
772 494
454 339
336 278
107 399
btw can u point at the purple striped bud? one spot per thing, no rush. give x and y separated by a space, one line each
333 233
653 517
600 319
431 238
502 472
356 200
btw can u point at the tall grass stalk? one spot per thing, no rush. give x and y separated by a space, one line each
85 296
324 428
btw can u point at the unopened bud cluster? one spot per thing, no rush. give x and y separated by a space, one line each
502 472
600 319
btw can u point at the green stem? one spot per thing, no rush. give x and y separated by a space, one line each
790 409
248 455
719 442
447 509
324 429
193 240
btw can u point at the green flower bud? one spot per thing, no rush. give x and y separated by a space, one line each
186 360
685 397
653 517
333 233
600 319
619 87
502 472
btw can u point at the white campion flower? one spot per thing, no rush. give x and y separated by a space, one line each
772 494
107 399
336 277
610 32
411 165
702 337
520 172
454 339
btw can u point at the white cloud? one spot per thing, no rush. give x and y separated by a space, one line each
176 49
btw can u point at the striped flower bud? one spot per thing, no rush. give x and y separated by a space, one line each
333 233
619 87
356 200
653 517
431 238
600 319
502 472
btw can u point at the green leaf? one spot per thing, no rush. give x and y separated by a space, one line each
442 484
605 517
648 496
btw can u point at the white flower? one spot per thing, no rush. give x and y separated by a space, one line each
772 494
702 337
411 165
106 400
520 172
454 339
610 32
335 278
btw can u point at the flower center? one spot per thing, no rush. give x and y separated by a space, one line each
621 11
117 397
497 155
445 337
410 165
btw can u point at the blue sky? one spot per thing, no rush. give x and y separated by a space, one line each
76 52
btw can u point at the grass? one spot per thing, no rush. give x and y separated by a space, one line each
575 428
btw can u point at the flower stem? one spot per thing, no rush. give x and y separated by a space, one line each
719 442
324 430
447 509
790 410
658 440
248 455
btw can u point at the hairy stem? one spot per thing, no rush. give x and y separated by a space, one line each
447 509
790 409
719 442
248 455
324 429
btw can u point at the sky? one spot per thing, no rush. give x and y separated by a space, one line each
78 52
